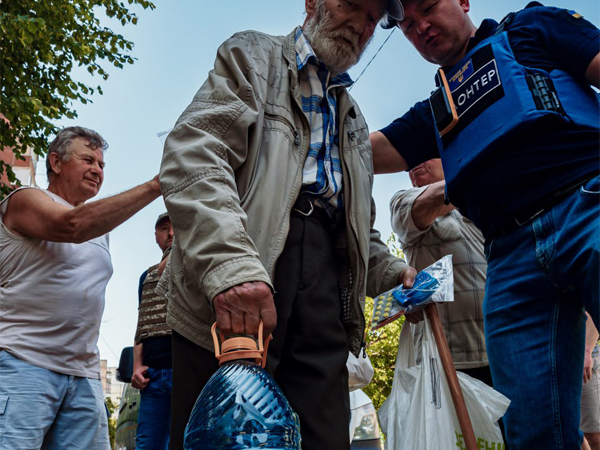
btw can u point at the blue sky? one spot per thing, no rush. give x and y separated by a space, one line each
175 47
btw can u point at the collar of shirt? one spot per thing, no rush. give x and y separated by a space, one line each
485 30
322 171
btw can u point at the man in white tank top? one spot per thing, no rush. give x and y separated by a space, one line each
54 268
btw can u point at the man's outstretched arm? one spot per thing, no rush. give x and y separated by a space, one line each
32 213
592 74
386 158
430 205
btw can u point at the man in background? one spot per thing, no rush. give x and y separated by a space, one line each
152 372
428 229
54 268
590 397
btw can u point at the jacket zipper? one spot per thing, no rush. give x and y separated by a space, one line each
297 189
362 271
352 136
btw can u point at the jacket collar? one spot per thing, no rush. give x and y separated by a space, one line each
289 53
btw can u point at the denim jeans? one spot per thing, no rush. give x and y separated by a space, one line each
540 280
42 409
154 416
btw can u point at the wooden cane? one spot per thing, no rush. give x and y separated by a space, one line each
457 397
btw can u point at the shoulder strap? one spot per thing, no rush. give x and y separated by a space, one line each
504 23
510 16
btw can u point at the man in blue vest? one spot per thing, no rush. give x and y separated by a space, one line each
518 137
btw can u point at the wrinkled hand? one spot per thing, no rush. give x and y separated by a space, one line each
588 365
240 308
407 278
138 379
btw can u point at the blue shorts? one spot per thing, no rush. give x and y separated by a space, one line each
42 409
590 401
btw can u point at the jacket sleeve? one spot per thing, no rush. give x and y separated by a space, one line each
401 207
202 153
384 268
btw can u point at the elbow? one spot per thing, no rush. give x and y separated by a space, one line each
592 73
420 217
73 230
378 163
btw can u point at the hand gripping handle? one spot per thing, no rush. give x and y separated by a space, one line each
241 347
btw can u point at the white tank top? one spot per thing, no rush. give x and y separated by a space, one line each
52 299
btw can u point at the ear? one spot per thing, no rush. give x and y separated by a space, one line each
464 4
55 163
310 6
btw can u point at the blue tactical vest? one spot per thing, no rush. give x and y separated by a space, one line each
497 99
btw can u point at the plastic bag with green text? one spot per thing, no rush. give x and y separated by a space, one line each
419 413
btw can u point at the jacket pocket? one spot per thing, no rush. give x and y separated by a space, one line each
286 123
278 135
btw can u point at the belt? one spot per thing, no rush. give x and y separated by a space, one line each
306 206
527 214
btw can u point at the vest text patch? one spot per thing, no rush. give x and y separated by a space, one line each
476 87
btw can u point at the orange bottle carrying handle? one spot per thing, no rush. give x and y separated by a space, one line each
241 347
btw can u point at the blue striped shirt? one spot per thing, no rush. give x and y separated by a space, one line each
322 172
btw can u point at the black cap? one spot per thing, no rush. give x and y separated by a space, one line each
395 10
162 218
395 13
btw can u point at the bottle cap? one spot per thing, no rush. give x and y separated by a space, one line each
241 347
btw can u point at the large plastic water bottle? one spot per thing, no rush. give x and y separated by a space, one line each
241 406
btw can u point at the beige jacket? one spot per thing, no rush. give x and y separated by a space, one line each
231 172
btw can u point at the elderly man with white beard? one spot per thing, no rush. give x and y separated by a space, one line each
267 177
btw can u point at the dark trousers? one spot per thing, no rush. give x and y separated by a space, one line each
308 354
481 373
192 368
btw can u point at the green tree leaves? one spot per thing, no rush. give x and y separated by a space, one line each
382 347
41 41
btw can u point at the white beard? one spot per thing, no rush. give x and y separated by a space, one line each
337 49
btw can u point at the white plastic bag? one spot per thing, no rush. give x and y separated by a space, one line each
360 370
419 413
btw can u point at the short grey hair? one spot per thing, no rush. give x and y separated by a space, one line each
61 145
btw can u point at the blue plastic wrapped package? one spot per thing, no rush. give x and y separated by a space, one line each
433 284
241 406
